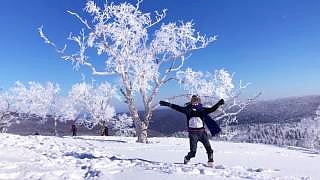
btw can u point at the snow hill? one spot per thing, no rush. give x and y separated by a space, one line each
90 157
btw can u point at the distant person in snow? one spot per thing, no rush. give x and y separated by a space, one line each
197 115
74 130
105 131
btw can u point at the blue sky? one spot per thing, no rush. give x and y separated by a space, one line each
273 44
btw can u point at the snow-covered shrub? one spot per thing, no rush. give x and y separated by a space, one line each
90 105
122 125
37 99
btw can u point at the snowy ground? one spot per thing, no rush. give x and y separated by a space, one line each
87 157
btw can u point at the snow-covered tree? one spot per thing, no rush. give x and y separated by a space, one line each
122 35
122 125
69 111
212 87
7 112
40 100
91 105
311 127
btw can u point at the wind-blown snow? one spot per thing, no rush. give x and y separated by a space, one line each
87 157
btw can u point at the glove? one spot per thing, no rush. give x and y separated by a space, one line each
163 103
221 102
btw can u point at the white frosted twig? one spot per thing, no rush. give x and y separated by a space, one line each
77 58
179 67
159 17
83 21
46 40
245 85
240 107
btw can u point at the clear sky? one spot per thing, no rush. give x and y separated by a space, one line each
273 44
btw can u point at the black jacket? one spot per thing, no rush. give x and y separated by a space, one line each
201 112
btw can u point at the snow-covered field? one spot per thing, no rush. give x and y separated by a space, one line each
88 157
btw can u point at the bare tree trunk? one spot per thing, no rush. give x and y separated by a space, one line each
4 129
55 127
4 122
102 129
140 126
3 126
143 133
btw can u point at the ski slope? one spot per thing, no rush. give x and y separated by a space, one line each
90 157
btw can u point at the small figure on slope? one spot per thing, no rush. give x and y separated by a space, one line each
105 131
74 130
197 115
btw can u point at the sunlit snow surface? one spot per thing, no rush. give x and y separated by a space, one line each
89 157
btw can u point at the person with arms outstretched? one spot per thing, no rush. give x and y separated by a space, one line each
197 116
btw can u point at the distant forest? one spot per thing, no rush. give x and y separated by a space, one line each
270 122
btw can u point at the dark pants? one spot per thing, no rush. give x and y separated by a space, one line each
202 136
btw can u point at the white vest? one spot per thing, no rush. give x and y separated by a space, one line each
195 122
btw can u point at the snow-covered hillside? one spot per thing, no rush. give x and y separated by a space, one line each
87 157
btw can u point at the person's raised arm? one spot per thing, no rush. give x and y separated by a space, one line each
173 106
214 107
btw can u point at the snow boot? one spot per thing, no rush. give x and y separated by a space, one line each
185 160
210 164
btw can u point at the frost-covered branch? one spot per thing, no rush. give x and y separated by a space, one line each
46 40
78 58
230 111
83 21
159 17
211 88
